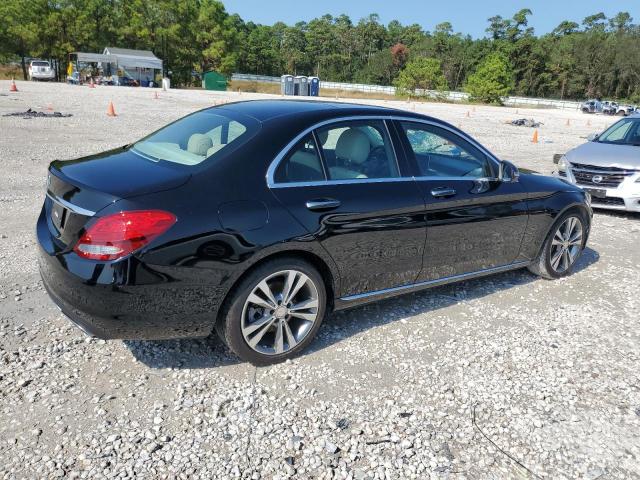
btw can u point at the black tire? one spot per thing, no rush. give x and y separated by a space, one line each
229 326
542 265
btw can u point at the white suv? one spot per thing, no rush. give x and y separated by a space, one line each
41 70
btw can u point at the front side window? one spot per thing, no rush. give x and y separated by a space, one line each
624 132
303 164
441 153
195 138
357 150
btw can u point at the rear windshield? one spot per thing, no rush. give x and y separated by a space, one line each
197 137
624 132
40 64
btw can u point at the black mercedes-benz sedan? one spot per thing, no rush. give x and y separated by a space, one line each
255 219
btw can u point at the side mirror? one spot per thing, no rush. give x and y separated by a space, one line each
509 172
592 137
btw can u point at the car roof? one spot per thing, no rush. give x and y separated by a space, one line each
265 110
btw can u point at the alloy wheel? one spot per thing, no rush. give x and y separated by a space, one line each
566 244
280 312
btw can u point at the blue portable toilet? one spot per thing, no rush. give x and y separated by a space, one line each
286 85
314 86
301 86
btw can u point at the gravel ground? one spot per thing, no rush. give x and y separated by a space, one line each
509 376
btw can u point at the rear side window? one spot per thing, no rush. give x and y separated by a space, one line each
196 138
303 164
358 150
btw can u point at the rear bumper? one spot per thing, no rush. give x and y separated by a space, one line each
43 76
127 299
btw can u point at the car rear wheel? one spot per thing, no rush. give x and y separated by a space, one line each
275 312
562 248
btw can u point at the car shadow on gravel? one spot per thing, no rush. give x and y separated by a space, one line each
211 352
603 212
347 323
182 354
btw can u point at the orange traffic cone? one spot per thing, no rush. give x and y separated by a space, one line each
110 110
12 87
535 136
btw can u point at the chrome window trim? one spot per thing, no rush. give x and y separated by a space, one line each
356 181
467 179
71 206
384 118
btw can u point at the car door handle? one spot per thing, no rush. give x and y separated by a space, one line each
443 192
322 204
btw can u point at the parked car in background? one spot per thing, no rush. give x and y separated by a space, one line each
591 106
609 108
624 110
41 70
254 219
608 166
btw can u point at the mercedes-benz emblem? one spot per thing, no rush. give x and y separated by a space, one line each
597 178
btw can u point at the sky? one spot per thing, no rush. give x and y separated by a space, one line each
466 16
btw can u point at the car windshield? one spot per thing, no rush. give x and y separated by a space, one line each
197 137
624 132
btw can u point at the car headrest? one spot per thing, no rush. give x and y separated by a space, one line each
199 144
353 145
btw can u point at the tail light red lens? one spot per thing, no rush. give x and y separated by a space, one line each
120 234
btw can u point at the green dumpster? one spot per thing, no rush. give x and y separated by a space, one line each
214 81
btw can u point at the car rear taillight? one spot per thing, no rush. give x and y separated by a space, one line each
120 234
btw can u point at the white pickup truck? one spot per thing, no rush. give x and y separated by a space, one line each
41 70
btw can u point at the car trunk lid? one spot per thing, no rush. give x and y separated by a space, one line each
79 189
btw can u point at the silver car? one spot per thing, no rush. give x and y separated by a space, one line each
608 166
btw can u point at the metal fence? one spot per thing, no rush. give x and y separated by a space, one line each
451 96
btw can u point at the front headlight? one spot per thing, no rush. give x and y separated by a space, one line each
563 164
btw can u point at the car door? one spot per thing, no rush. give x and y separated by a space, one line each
346 185
475 221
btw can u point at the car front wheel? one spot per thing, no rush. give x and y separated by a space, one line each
275 312
562 248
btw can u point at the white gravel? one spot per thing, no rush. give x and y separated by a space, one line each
504 377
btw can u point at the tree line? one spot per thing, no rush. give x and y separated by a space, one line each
598 57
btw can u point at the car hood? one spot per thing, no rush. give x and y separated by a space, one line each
606 155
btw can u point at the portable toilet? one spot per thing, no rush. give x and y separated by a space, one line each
314 86
214 81
286 85
301 85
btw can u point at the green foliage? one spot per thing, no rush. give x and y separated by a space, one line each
491 81
421 74
599 56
